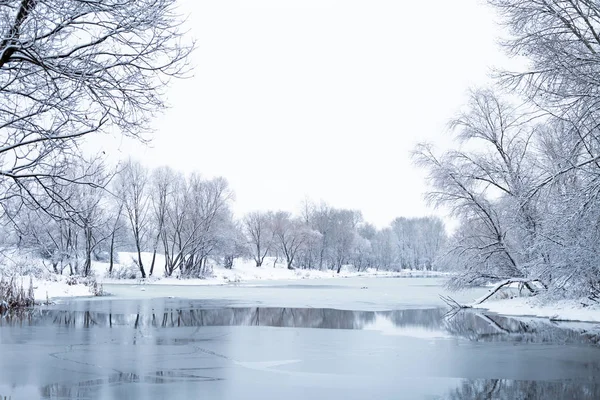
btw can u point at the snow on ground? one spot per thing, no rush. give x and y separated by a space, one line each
53 287
20 266
60 288
48 285
243 270
562 310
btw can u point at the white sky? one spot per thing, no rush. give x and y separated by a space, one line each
322 99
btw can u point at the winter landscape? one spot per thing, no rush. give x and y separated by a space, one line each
299 199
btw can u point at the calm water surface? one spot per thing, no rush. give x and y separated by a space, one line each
342 339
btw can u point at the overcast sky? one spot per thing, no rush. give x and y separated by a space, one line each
322 98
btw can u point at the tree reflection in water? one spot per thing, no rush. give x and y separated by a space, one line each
479 326
504 389
475 326
85 389
255 316
469 325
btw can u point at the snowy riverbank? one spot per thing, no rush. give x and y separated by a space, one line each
562 310
54 286
245 272
48 285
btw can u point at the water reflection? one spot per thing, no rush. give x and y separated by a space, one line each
497 389
159 350
474 326
87 389
256 316
504 389
480 326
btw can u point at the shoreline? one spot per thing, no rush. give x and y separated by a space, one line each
560 310
289 276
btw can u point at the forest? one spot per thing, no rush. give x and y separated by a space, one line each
189 221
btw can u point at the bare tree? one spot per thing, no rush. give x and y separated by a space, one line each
116 227
131 189
561 39
69 68
384 250
160 179
290 235
91 218
197 219
259 230
492 255
344 225
233 243
175 242
319 219
418 241
209 211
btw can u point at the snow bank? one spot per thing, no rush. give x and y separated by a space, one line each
57 288
245 270
22 264
54 286
563 310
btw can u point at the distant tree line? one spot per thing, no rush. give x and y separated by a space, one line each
188 220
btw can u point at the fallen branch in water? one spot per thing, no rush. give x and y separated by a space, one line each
527 283
453 303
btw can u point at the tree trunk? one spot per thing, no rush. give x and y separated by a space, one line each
152 263
87 266
112 252
140 265
258 258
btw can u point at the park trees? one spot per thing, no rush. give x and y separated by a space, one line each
73 68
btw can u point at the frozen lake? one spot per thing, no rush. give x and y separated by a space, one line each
331 339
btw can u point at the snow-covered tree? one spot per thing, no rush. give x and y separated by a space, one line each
258 227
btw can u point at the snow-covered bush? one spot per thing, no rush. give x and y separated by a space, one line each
95 288
124 271
13 263
13 294
89 281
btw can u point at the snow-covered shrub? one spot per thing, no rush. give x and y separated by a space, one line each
235 279
95 288
13 294
13 263
204 272
72 280
90 281
125 271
